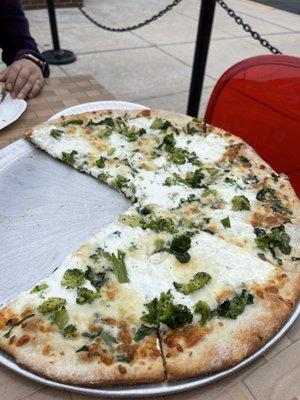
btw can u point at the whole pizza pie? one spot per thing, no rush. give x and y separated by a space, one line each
198 273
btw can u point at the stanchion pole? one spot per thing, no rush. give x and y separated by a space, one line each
57 55
206 18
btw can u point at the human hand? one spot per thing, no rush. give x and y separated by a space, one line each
23 78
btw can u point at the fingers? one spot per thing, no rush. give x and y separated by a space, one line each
29 84
21 79
12 77
36 88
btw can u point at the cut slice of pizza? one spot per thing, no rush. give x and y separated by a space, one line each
209 253
82 325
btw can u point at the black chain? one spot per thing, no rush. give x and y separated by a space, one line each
129 28
247 28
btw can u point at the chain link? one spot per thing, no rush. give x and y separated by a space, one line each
247 28
129 28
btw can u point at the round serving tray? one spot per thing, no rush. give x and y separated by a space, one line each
46 211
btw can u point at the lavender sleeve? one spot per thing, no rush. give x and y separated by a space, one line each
15 38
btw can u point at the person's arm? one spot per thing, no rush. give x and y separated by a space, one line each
23 77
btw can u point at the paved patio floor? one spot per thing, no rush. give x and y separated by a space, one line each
152 65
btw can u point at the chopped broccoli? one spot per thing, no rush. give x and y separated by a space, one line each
60 318
143 331
240 203
106 121
158 244
146 210
180 246
69 158
203 308
133 133
160 123
107 337
70 331
111 151
160 224
103 177
104 133
73 278
85 295
196 283
97 279
268 194
101 162
166 312
169 181
73 122
178 155
118 263
169 141
226 222
231 181
234 307
56 133
130 220
194 179
39 288
211 170
119 182
277 238
51 304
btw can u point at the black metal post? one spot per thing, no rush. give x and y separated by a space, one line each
57 55
206 18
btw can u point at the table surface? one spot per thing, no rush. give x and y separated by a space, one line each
274 376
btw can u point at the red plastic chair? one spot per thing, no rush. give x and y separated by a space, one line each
258 99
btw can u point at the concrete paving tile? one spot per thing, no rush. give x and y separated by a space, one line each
56 71
49 394
286 43
236 392
294 333
222 54
11 391
136 73
281 376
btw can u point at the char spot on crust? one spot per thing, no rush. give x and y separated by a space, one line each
22 340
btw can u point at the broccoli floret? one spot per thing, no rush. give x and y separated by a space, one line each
160 123
51 304
180 246
106 121
210 192
166 312
240 203
277 238
268 194
73 278
60 318
85 295
104 133
160 224
146 210
133 133
169 141
211 170
194 179
119 182
97 279
178 156
70 331
69 158
39 288
234 307
118 263
103 177
196 283
203 308
101 162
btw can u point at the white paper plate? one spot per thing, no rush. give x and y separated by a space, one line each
98 105
10 110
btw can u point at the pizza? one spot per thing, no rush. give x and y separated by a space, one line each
199 272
